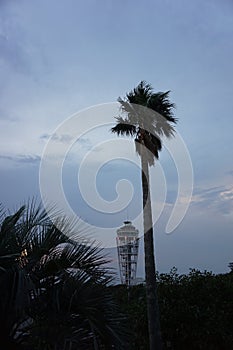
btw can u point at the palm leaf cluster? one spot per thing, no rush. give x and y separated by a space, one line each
147 117
54 288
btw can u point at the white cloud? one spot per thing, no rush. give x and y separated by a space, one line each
217 200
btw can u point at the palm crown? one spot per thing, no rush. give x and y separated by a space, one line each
148 116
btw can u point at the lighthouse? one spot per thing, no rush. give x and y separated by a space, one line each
127 247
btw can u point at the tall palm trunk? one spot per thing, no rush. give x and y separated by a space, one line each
151 288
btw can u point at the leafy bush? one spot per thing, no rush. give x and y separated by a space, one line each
196 311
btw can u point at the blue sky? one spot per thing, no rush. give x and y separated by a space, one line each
57 58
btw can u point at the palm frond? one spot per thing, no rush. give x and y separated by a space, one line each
164 128
35 214
140 94
124 127
9 244
55 287
148 111
11 220
160 103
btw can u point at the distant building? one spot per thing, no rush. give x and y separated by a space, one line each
127 247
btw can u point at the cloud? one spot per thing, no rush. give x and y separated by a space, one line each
23 159
85 143
82 142
217 199
63 138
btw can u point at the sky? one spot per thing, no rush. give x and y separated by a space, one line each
71 60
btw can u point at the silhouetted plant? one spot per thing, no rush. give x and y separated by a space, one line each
196 311
147 116
54 288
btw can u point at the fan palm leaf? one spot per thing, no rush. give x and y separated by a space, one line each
56 293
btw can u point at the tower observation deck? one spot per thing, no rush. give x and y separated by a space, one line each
127 247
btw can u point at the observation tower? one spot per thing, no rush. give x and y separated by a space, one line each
127 247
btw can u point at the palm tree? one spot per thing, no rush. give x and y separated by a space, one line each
54 288
147 116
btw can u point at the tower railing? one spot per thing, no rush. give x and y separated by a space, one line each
127 247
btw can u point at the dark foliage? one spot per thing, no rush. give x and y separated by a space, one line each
54 289
148 117
196 311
